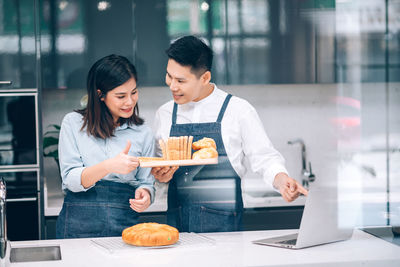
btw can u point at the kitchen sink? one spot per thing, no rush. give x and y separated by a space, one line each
24 254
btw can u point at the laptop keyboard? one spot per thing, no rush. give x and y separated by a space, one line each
288 242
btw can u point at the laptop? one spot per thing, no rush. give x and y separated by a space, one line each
320 223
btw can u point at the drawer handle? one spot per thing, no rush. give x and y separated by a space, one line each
24 199
5 82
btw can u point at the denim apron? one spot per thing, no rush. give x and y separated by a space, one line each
205 198
103 210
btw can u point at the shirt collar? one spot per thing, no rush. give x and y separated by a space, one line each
125 126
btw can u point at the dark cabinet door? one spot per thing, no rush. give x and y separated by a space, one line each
17 44
23 219
22 209
18 130
273 218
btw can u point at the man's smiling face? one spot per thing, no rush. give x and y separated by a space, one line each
185 85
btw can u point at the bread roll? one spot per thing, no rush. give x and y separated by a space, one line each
204 143
205 153
150 234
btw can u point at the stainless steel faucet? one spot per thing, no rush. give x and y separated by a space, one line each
3 222
307 175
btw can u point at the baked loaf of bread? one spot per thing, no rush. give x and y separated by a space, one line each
176 147
204 143
205 153
150 234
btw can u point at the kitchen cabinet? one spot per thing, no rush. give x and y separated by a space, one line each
253 219
19 163
273 218
23 219
50 222
267 218
18 45
20 130
23 203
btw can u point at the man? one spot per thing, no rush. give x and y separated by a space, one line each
209 198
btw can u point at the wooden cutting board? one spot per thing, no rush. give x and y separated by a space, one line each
146 163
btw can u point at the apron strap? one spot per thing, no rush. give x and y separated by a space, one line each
220 115
174 114
223 108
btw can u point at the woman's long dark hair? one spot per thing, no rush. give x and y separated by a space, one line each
106 74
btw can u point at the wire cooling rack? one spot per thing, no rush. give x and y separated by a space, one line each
115 244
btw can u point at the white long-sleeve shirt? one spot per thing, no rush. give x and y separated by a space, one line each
246 143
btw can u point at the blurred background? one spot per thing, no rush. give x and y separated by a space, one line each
325 73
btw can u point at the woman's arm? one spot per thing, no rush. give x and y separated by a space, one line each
75 175
71 164
122 164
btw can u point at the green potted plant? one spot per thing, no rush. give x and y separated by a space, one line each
50 142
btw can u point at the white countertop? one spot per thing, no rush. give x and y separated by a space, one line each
228 249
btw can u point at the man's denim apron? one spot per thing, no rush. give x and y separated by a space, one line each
101 211
205 198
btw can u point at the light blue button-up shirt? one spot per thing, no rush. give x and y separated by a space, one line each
78 150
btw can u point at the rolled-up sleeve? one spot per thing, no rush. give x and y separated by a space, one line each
143 175
71 164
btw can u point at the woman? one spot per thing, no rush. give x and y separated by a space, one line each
98 148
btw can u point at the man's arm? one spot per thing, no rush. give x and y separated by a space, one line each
264 159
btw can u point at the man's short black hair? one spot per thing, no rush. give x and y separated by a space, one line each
193 52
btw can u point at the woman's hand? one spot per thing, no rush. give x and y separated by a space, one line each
289 188
123 163
164 174
141 201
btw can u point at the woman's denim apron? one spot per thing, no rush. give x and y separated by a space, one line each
101 211
205 198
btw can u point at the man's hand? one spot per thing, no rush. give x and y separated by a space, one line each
289 188
164 174
141 201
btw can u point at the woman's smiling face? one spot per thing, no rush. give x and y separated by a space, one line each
121 100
